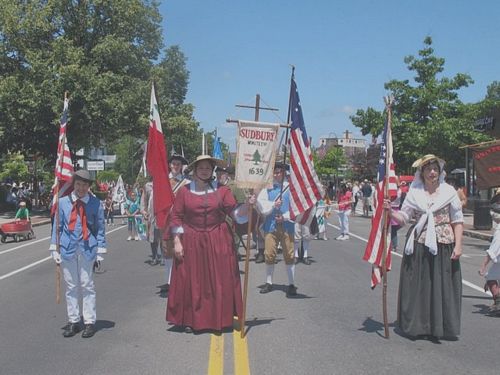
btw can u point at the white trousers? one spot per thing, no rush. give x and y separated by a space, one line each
344 221
78 275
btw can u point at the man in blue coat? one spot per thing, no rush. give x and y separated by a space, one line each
81 229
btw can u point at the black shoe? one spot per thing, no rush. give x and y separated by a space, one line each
259 258
188 329
71 329
266 289
291 291
89 331
154 262
306 261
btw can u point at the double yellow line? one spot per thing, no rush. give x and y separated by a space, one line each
240 351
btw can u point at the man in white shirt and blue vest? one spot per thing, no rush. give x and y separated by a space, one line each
81 229
274 204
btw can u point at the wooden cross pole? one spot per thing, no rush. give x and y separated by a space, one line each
257 108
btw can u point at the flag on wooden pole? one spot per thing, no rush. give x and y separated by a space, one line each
64 166
157 165
376 243
305 186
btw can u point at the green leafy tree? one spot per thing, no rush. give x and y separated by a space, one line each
428 117
370 121
180 128
102 52
330 163
128 158
14 167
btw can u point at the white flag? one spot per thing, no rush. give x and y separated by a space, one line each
256 154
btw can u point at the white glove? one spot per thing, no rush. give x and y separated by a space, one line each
56 256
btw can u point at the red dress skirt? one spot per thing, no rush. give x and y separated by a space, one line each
205 287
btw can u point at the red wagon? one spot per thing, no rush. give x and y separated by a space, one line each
16 230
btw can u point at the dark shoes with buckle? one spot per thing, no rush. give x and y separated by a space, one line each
71 329
89 331
259 258
291 291
266 289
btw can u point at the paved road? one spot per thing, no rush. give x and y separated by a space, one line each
333 327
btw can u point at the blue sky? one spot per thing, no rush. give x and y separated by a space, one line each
343 52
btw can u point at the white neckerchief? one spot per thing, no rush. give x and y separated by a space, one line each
210 188
418 200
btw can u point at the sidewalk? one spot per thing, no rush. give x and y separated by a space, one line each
42 217
469 230
37 217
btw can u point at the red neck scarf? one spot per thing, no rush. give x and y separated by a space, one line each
79 210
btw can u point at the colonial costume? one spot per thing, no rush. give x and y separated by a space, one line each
430 289
205 288
277 228
177 181
81 229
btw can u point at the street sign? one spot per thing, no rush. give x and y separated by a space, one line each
95 165
108 158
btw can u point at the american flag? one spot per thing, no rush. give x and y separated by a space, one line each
305 187
64 166
374 251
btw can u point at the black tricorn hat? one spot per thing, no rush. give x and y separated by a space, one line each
228 169
181 158
281 165
82 174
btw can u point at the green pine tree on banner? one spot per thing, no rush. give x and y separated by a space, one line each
256 157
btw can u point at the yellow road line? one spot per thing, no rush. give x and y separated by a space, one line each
241 365
216 358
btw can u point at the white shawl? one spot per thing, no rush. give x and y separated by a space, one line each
418 200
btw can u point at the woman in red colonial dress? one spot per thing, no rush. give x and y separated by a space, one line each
205 289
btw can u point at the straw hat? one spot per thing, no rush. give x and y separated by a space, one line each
419 163
215 162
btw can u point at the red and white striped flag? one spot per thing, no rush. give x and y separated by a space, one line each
64 166
305 186
374 252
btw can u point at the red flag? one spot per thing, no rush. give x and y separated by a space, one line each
64 166
374 252
305 187
157 164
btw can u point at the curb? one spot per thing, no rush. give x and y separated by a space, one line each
478 235
42 222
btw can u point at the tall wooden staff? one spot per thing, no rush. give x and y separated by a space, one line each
257 108
385 218
57 219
